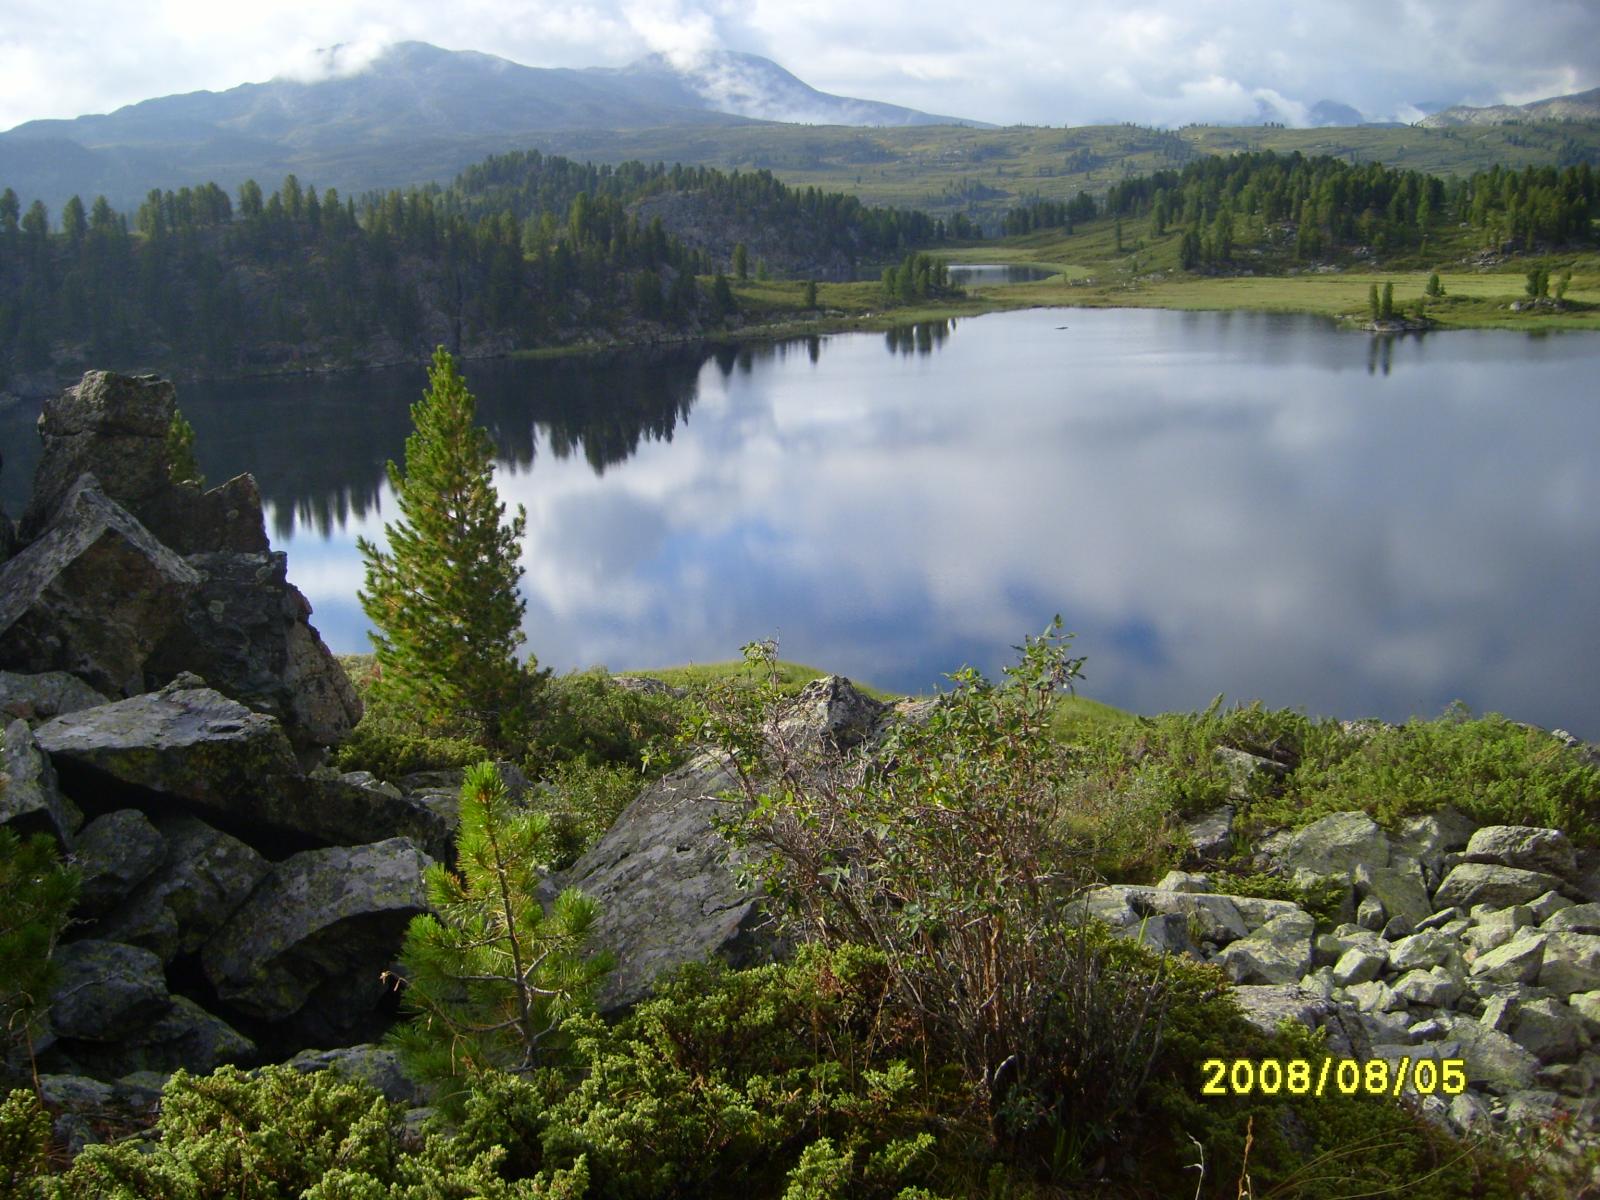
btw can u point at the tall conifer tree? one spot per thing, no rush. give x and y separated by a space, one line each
444 595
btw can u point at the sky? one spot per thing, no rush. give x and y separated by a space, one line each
1155 62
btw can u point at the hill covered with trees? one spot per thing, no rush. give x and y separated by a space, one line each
521 251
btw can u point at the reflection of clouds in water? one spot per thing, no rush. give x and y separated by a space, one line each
1208 514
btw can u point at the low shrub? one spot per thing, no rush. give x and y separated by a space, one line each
39 893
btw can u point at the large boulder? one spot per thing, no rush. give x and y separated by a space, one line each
114 426
246 631
1529 847
93 595
30 800
1471 883
186 1037
106 991
205 875
115 854
185 741
664 882
1336 845
321 917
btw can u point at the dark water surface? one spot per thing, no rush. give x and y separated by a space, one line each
986 274
1254 504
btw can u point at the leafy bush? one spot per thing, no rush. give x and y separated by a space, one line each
24 1143
944 853
284 1134
728 1084
586 717
582 802
1494 770
39 893
490 974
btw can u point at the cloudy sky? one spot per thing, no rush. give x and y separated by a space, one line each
1007 61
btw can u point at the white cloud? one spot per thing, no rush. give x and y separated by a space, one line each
1004 61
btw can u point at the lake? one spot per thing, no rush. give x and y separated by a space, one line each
988 274
1255 504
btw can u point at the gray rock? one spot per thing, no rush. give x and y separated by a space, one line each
1370 914
1374 997
1428 839
663 879
1401 891
1469 1113
377 1066
204 877
1495 927
1422 950
834 712
1571 963
1548 1029
1580 918
1266 1006
1434 987
1468 884
1493 1060
1278 952
1248 774
1358 966
1587 1006
1211 834
1517 961
112 425
187 1038
1184 881
246 630
1500 1011
320 916
93 595
115 853
39 697
1442 918
1217 919
1385 1027
1548 905
30 800
1528 847
106 991
1337 844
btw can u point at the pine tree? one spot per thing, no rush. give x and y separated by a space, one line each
489 973
1373 307
741 262
811 294
1386 309
182 466
444 595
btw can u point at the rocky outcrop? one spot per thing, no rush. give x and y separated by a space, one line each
129 579
1475 944
94 595
36 698
246 630
664 882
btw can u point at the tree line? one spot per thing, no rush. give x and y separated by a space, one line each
522 250
1320 206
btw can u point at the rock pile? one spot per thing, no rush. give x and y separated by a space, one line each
1456 942
165 704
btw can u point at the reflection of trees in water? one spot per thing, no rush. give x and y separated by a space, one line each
921 337
318 447
1380 353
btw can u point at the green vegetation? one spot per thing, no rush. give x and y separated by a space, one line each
39 893
443 595
489 973
182 467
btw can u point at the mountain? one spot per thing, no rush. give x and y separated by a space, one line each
1332 112
1580 106
415 113
748 85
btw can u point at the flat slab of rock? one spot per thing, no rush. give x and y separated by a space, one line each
185 741
30 800
664 887
1336 845
93 596
321 916
1472 883
1266 1006
186 1038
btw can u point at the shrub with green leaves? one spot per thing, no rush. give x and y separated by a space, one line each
944 851
39 893
489 973
24 1144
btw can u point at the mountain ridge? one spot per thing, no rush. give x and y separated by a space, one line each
1577 106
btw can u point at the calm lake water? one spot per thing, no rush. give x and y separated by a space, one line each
1254 504
986 274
